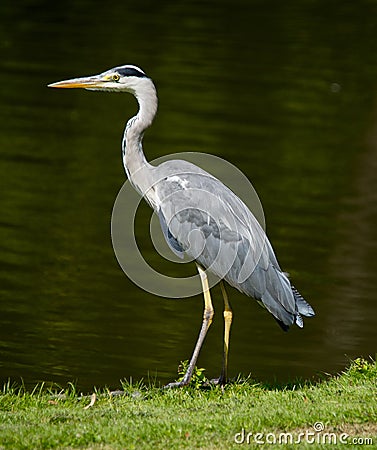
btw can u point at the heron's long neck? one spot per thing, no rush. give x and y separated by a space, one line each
134 161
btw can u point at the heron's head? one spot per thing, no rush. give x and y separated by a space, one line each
119 79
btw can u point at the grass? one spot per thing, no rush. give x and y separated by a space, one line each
145 417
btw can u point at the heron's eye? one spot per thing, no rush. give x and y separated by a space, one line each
115 77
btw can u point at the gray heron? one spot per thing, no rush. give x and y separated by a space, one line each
200 217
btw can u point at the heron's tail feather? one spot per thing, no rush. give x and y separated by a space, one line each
299 320
303 307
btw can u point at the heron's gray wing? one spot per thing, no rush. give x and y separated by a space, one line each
211 224
205 219
205 228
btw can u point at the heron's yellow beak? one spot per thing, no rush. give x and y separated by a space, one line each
86 83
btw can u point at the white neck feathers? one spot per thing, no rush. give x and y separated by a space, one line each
132 150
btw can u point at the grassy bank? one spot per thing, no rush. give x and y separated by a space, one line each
244 414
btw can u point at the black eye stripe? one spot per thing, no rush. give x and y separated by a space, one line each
130 72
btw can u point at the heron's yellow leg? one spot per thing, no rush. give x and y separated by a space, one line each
228 315
207 320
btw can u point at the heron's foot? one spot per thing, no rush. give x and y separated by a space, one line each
221 381
176 384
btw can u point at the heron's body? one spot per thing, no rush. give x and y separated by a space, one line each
229 227
201 217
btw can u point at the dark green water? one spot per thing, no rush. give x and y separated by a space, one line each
286 91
